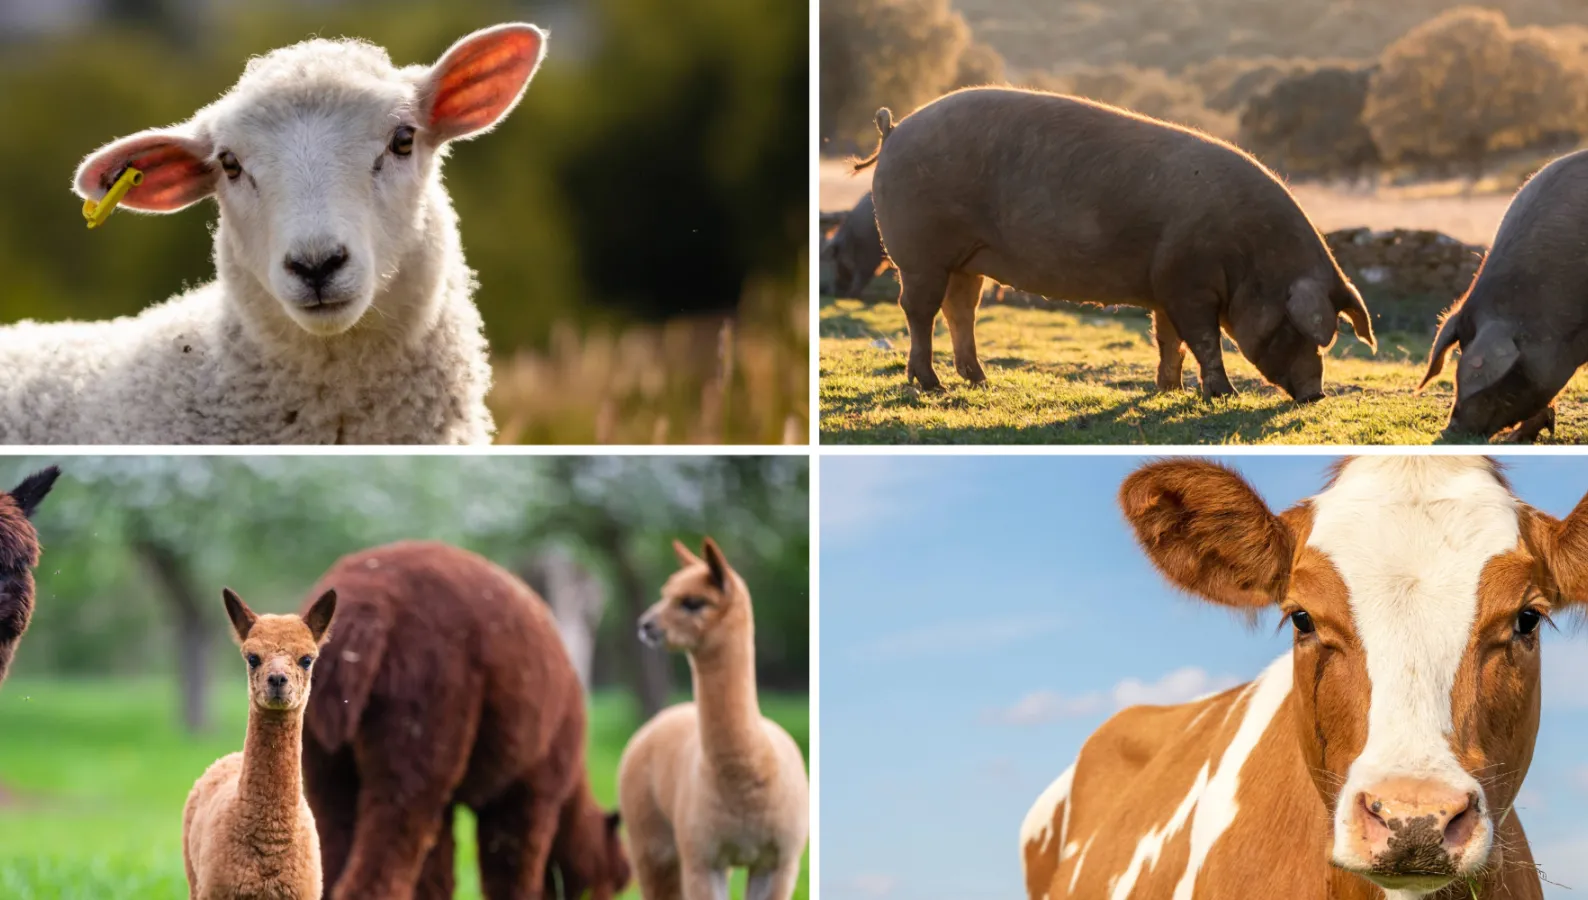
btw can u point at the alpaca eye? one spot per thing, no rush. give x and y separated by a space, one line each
253 660
230 165
1527 621
402 140
1303 622
306 662
693 604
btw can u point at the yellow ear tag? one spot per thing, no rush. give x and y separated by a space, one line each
97 213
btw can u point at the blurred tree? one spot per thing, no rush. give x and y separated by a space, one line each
1310 123
137 548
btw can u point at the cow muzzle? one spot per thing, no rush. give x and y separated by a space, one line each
1415 834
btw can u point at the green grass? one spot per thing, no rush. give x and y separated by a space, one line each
1062 377
93 775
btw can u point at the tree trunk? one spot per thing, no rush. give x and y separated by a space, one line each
576 600
170 570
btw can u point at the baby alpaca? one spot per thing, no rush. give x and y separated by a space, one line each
342 308
19 554
247 831
711 785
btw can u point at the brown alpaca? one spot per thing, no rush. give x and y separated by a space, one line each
19 554
247 831
711 785
446 684
587 854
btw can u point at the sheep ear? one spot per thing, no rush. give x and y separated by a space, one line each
33 489
242 617
480 79
177 171
319 616
1492 353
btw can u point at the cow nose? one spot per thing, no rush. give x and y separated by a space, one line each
317 269
276 680
1412 817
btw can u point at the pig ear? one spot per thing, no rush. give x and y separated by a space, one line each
1446 339
480 79
242 617
1492 353
1348 300
1310 309
1206 530
177 171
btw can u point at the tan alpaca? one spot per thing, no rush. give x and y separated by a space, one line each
247 833
711 785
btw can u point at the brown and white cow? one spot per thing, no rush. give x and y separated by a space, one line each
1381 756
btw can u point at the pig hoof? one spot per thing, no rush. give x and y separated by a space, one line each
1165 384
1214 391
1310 398
929 383
972 373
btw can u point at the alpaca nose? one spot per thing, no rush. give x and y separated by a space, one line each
316 269
650 632
276 680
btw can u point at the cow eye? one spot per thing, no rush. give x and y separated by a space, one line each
1527 621
1302 621
693 604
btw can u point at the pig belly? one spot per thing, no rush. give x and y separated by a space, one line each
1066 277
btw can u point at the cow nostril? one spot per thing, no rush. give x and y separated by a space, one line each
1459 827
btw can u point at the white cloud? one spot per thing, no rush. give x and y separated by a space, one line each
1179 686
870 884
861 493
950 638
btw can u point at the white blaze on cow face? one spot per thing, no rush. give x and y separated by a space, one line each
1409 537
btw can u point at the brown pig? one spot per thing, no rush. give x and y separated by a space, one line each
1068 198
1523 324
855 251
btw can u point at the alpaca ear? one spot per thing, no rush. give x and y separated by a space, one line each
33 489
717 563
685 557
480 79
242 617
176 171
614 819
319 616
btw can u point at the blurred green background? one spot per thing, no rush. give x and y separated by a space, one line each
127 686
638 223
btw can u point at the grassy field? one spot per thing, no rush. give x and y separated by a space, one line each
1061 377
93 776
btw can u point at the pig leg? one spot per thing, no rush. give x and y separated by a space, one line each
921 296
959 310
1171 352
1199 327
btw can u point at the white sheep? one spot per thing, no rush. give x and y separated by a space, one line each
342 309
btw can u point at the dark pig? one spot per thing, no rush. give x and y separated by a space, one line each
855 251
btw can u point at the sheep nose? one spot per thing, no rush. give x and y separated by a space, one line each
276 680
316 270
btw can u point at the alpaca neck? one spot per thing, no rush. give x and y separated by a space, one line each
271 785
730 713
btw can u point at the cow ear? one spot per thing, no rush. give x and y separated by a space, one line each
1562 546
1311 311
1484 361
1208 532
1446 339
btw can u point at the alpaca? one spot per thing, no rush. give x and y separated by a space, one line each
19 555
446 685
587 854
342 309
711 785
247 831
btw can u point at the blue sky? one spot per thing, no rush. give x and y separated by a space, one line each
980 616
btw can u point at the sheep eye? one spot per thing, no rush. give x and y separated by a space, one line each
1527 621
306 661
693 604
230 165
1303 622
402 140
253 660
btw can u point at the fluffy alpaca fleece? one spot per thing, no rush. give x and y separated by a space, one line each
19 555
247 831
342 311
446 685
711 785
